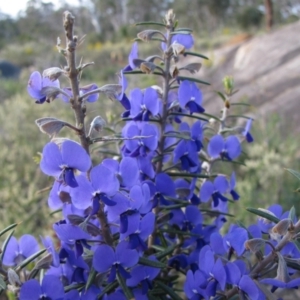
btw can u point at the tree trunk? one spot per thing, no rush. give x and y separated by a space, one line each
269 14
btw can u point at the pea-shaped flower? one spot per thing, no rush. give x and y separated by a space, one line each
42 88
61 162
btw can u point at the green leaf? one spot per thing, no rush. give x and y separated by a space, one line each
292 213
2 283
55 212
168 290
140 72
239 116
263 214
195 54
166 252
190 79
179 232
77 286
181 32
182 174
90 280
150 23
188 116
12 226
221 95
127 291
109 288
211 116
5 245
241 103
29 259
184 29
151 263
293 172
216 212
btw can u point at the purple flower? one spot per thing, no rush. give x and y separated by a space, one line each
235 272
106 258
185 40
72 235
138 230
246 132
143 275
51 289
82 91
61 162
190 97
213 270
127 170
16 251
122 97
187 149
229 148
132 55
42 88
102 185
232 183
194 286
185 190
214 190
59 195
48 244
143 104
236 238
140 147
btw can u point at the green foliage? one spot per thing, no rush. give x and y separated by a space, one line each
250 17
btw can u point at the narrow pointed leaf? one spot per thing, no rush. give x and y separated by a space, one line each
166 252
140 72
182 174
169 291
239 116
5 245
293 172
151 263
92 276
240 103
150 23
292 213
12 226
263 214
221 95
2 283
195 54
29 259
188 116
192 79
184 29
109 288
127 291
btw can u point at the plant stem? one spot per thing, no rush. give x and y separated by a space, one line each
72 71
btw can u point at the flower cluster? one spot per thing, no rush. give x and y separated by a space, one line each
132 223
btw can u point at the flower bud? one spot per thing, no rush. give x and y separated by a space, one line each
53 73
254 245
282 226
13 277
170 17
50 126
228 84
97 124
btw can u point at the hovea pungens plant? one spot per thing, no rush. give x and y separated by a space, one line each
147 223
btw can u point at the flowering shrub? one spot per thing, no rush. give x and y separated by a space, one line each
147 223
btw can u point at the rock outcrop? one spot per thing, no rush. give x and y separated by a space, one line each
266 69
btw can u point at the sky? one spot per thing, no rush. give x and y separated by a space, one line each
12 7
